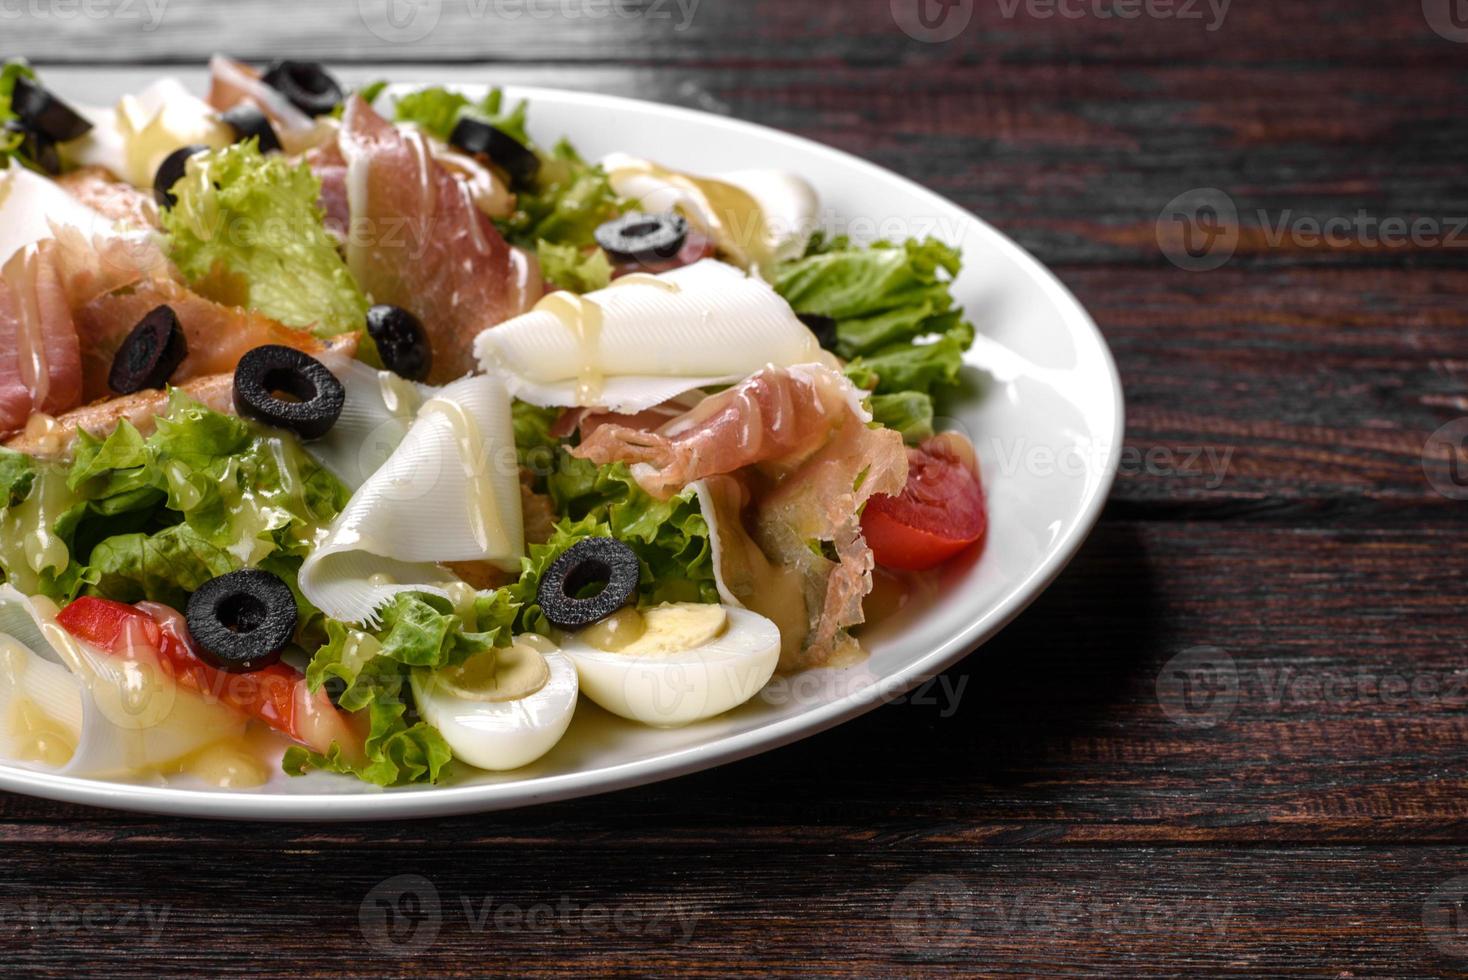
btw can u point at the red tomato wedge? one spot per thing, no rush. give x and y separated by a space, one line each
276 695
940 511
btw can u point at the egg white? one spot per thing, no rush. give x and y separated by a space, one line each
667 690
501 735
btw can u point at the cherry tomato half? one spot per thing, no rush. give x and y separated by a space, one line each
939 513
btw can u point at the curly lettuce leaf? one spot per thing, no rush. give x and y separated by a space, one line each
437 110
248 230
670 537
371 667
17 476
569 200
206 493
572 268
13 142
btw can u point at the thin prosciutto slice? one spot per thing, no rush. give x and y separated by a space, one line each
775 419
416 238
798 442
68 302
114 199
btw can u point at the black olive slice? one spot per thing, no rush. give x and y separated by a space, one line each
640 237
589 562
401 340
171 171
246 121
35 146
241 621
824 327
475 136
44 113
313 396
150 354
306 85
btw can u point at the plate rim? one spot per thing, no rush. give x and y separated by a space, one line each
459 800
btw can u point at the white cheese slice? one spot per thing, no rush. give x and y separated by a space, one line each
450 491
645 339
117 716
31 204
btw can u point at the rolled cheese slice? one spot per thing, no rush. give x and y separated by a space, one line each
645 339
378 412
450 491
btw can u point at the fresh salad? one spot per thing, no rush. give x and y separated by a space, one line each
357 431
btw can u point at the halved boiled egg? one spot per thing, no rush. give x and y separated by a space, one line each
675 663
504 708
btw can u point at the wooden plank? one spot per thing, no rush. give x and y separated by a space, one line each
881 908
762 33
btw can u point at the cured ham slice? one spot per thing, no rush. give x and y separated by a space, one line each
417 239
67 303
113 199
775 419
798 442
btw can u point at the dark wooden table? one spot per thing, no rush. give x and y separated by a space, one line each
1305 810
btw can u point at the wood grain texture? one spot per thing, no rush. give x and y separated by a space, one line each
1229 740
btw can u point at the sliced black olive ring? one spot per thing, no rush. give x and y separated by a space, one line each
36 146
44 113
640 237
241 621
313 396
171 171
590 562
306 85
245 121
401 341
474 136
150 354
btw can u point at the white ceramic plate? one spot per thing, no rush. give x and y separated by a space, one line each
1044 410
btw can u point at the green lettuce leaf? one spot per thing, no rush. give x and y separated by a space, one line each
248 230
371 666
908 412
17 475
12 144
437 110
569 200
206 493
906 366
572 268
670 537
879 295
